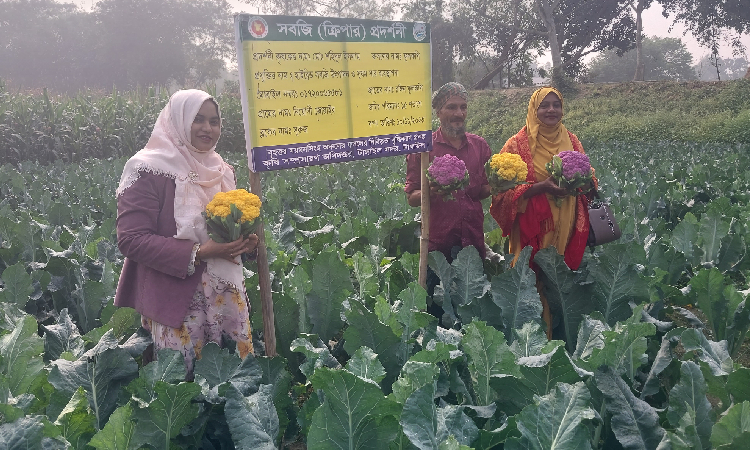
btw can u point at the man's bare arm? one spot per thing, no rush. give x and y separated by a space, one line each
414 198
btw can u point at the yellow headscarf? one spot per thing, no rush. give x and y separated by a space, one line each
545 141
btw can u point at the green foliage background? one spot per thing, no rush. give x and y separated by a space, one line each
664 59
360 362
45 128
627 112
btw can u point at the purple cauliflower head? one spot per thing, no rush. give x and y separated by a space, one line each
447 169
574 163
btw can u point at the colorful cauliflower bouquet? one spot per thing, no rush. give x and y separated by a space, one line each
505 171
232 214
572 171
449 174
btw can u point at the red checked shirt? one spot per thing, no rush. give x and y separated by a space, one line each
458 222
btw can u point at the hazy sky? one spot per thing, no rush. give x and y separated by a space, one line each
654 24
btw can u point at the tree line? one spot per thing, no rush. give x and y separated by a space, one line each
129 43
120 43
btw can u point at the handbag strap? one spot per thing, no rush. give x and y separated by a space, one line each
596 196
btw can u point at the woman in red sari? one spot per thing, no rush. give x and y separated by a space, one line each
529 213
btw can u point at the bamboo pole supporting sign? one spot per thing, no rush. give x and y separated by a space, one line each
424 238
264 276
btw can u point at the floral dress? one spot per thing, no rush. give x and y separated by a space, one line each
216 314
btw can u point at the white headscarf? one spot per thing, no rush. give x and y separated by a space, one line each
198 175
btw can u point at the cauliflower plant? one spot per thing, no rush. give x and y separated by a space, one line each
449 174
571 170
505 171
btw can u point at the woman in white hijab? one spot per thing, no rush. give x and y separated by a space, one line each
188 289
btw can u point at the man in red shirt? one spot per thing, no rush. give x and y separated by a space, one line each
458 223
454 224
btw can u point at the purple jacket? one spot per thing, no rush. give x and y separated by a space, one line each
154 277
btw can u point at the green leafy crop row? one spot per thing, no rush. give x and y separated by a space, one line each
44 129
650 351
398 381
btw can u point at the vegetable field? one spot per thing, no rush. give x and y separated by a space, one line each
650 354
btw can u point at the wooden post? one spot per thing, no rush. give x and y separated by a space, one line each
424 240
264 276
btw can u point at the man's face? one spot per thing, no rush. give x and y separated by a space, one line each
452 116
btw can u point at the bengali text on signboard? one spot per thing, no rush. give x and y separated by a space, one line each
321 90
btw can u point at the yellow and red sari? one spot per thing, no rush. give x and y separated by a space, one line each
538 221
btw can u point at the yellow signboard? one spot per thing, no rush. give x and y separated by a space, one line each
322 90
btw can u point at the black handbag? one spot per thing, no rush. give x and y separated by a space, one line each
603 225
